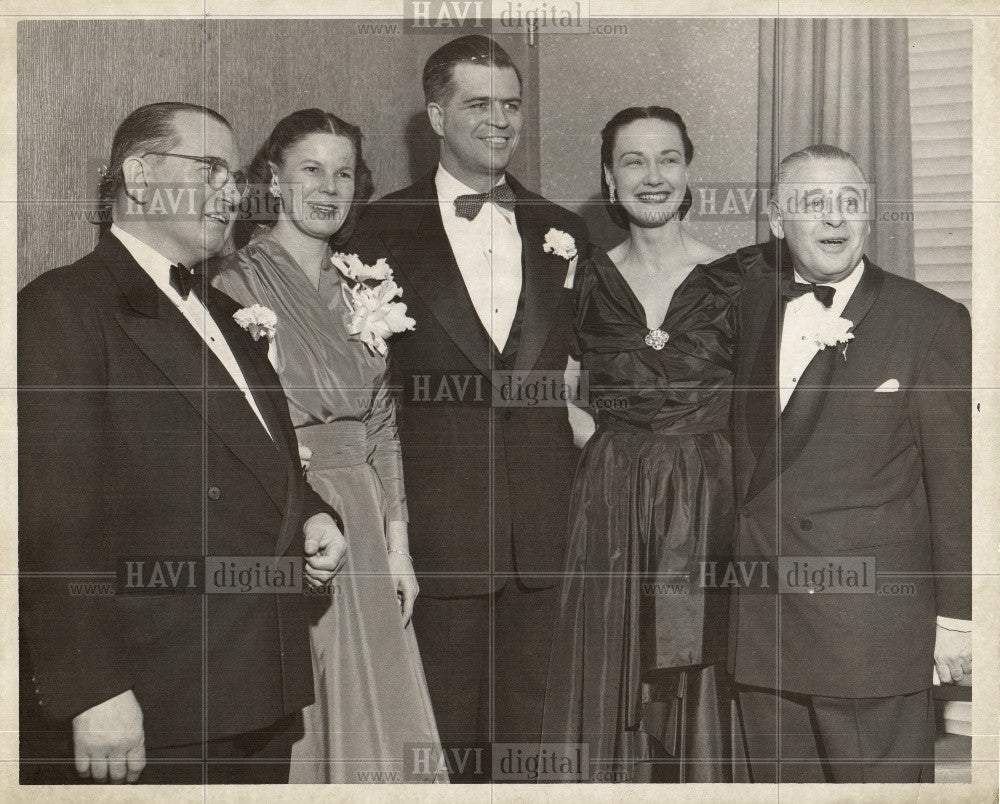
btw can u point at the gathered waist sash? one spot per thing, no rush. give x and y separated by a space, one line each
616 424
335 444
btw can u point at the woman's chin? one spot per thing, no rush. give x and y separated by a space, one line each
652 218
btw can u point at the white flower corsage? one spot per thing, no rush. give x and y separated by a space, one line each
258 320
352 267
375 315
559 243
832 330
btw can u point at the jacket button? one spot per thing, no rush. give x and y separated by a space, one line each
806 524
214 492
508 415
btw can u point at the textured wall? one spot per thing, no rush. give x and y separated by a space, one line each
78 79
704 69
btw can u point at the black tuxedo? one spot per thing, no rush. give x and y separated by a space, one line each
487 486
135 442
847 473
452 449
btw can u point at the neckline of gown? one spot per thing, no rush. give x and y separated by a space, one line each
264 237
639 310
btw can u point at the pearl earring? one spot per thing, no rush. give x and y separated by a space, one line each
612 195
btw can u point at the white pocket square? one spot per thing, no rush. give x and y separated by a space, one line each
888 387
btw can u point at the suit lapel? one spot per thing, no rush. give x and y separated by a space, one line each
798 420
162 333
423 254
543 278
760 383
270 399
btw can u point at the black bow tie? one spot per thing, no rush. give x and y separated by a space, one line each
183 279
792 290
468 206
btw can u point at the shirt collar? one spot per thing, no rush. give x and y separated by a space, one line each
149 259
844 287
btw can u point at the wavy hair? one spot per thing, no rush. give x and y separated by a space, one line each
289 131
610 133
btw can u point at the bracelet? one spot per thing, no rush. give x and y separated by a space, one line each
401 552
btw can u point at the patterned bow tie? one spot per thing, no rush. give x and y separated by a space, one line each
468 206
183 279
792 290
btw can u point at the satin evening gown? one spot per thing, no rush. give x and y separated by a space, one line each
637 666
371 694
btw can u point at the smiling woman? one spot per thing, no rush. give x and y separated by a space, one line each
371 696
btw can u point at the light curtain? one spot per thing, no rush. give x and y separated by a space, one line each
846 83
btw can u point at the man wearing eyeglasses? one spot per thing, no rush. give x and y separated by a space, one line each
156 455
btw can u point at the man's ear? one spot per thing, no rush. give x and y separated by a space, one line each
136 182
774 218
436 115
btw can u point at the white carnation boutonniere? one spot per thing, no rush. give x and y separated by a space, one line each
559 243
562 245
832 330
370 294
260 322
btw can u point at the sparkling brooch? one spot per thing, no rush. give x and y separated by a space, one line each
657 338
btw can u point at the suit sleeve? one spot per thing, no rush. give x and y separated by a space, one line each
941 414
69 624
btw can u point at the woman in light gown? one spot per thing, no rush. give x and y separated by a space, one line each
371 694
637 665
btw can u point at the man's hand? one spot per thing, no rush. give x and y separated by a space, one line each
326 549
108 740
953 656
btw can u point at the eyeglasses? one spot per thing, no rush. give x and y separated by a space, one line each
219 172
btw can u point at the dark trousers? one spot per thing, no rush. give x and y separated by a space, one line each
258 757
810 738
487 689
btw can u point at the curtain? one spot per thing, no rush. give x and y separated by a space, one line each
845 83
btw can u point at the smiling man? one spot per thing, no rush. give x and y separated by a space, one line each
153 435
487 487
852 450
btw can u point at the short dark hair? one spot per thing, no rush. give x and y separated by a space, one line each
287 133
818 151
610 133
473 49
148 128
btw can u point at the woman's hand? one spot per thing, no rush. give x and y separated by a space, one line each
401 569
404 580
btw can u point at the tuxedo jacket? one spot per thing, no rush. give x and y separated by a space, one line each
136 443
487 485
869 465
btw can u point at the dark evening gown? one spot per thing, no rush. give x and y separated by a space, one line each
371 693
637 666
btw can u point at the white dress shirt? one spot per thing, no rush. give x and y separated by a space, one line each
158 268
798 347
488 252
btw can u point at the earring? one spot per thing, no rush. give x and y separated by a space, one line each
275 188
611 193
